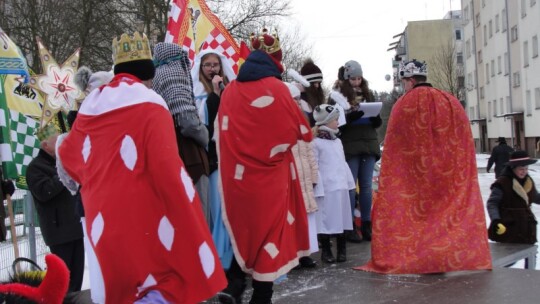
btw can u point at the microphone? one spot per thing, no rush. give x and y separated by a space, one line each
220 84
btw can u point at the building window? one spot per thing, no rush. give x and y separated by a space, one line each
466 14
537 98
471 112
477 20
499 65
490 29
492 68
528 102
534 46
514 33
523 9
480 56
497 28
495 107
533 2
481 92
458 34
504 24
487 72
485 35
517 79
468 48
525 53
489 111
459 58
506 64
483 3
461 82
501 104
508 107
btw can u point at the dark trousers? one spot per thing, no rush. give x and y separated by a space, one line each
262 291
72 253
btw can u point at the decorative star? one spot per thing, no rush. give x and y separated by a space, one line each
57 83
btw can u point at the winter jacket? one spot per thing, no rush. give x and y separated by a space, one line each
56 207
510 203
307 168
500 155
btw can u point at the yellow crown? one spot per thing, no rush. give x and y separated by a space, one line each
129 49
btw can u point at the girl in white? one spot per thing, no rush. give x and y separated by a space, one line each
335 181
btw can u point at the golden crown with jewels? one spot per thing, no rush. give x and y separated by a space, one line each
129 48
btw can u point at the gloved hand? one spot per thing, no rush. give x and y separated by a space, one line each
376 121
497 227
8 187
354 115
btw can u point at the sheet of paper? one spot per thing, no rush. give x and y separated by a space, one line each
371 109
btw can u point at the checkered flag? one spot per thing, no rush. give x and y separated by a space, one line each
18 145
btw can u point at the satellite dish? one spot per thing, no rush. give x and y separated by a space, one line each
387 77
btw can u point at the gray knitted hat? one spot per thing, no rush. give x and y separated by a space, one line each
352 69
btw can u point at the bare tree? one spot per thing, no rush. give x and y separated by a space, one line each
445 72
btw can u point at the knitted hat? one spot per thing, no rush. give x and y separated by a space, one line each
267 43
352 69
520 159
311 72
324 114
132 55
87 81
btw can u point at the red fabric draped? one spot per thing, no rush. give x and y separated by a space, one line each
428 215
264 210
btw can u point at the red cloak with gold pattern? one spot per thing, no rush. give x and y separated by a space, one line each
428 215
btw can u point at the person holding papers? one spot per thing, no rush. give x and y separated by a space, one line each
359 139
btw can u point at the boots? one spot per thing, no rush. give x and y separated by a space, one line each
262 292
366 230
326 249
341 248
352 235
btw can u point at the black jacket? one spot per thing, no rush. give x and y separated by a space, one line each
500 156
55 205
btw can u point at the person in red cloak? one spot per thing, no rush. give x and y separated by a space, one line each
259 123
428 214
143 214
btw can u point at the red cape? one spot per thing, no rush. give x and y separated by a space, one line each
428 215
259 122
143 215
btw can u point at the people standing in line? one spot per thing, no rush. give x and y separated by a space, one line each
359 137
499 156
265 215
59 221
314 94
211 72
308 174
143 213
428 215
509 204
173 82
335 182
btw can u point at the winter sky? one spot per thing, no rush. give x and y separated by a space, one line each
361 30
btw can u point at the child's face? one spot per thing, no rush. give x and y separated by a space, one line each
333 124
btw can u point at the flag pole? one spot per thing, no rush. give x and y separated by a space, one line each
12 226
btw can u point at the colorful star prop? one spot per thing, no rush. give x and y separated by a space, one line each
57 83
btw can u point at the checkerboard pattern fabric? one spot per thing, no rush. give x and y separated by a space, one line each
18 144
216 41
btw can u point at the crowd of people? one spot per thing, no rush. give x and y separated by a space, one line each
192 178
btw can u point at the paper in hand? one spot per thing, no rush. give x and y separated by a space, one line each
371 109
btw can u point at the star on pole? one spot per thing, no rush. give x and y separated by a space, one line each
56 83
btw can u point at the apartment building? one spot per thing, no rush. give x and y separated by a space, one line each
502 72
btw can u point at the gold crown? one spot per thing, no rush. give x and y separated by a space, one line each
265 41
129 49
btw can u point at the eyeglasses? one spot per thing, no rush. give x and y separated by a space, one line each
209 65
